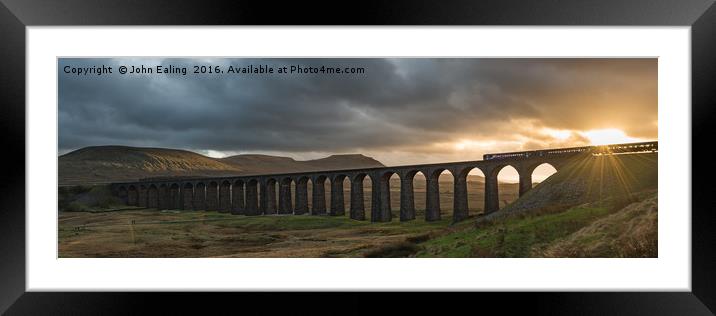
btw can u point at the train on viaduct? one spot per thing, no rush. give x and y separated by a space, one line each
256 194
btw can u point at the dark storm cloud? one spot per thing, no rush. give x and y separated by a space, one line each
397 102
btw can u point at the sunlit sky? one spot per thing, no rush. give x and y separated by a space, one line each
399 111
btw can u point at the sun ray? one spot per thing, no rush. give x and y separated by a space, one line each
608 136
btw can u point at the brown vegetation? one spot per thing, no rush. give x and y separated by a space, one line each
105 164
631 233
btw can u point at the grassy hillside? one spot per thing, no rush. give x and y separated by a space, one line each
105 164
339 162
630 232
600 207
605 229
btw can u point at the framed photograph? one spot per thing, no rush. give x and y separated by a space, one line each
473 147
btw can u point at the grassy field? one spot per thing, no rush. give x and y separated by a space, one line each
152 233
616 228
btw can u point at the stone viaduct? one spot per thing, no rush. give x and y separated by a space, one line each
256 194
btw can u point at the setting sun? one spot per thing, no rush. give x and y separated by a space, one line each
608 136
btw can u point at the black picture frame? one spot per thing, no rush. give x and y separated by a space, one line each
15 15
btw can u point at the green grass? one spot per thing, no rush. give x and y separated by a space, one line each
513 237
526 235
302 222
283 222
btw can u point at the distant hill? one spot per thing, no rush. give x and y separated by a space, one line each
104 164
273 164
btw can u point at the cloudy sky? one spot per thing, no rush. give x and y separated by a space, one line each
399 111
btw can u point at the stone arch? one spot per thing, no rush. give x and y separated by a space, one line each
163 198
432 193
188 196
152 196
301 194
468 192
508 185
132 195
122 194
237 197
174 196
381 210
347 193
408 189
492 195
285 206
200 196
212 196
142 196
527 176
267 196
338 207
252 197
357 210
225 196
495 170
318 205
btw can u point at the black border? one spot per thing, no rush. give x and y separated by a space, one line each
15 15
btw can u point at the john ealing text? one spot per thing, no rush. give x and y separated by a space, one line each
156 70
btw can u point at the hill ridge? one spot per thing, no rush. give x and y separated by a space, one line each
114 163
